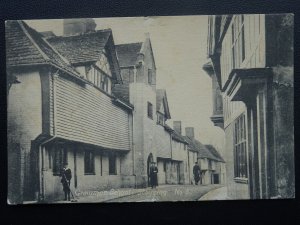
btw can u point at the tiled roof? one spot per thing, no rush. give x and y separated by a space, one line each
175 135
160 95
121 91
178 137
203 152
82 48
25 46
169 129
214 152
127 53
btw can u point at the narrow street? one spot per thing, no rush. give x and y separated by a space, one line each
168 193
161 193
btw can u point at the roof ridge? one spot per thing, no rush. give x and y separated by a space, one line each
195 144
81 34
21 24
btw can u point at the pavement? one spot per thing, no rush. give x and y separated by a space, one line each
161 193
216 194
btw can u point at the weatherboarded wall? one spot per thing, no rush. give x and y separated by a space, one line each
85 114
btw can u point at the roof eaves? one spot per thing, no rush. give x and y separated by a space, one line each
79 78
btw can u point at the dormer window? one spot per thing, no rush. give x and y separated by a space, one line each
99 78
103 64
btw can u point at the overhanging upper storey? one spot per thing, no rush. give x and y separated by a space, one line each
243 84
217 27
217 116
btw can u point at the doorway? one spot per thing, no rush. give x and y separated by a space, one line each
149 161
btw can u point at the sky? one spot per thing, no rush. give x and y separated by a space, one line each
179 45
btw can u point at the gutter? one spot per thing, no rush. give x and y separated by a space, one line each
127 106
171 146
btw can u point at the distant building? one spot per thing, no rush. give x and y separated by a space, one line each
251 66
153 140
211 163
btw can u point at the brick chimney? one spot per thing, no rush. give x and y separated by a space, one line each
189 131
177 126
78 26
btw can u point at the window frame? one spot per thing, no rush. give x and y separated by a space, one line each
150 110
150 76
240 148
238 50
112 158
60 157
99 78
160 117
90 170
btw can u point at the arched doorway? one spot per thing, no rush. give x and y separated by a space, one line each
149 160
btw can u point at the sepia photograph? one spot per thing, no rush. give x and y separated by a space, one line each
150 109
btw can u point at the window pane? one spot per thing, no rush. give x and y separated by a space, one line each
150 110
112 164
89 164
149 76
245 158
240 147
243 43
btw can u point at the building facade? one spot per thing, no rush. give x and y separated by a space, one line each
153 140
56 114
251 66
82 100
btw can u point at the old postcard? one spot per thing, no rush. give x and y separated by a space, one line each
135 109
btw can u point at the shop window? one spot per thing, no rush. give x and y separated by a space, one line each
112 163
89 162
240 157
60 157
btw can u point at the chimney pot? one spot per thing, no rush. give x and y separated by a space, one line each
189 132
78 26
177 126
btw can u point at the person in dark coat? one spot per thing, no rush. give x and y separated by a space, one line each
153 175
196 172
66 176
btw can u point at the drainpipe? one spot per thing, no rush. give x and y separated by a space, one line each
171 170
41 149
41 155
133 152
171 146
189 169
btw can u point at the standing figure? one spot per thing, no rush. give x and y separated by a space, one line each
153 175
66 175
196 172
